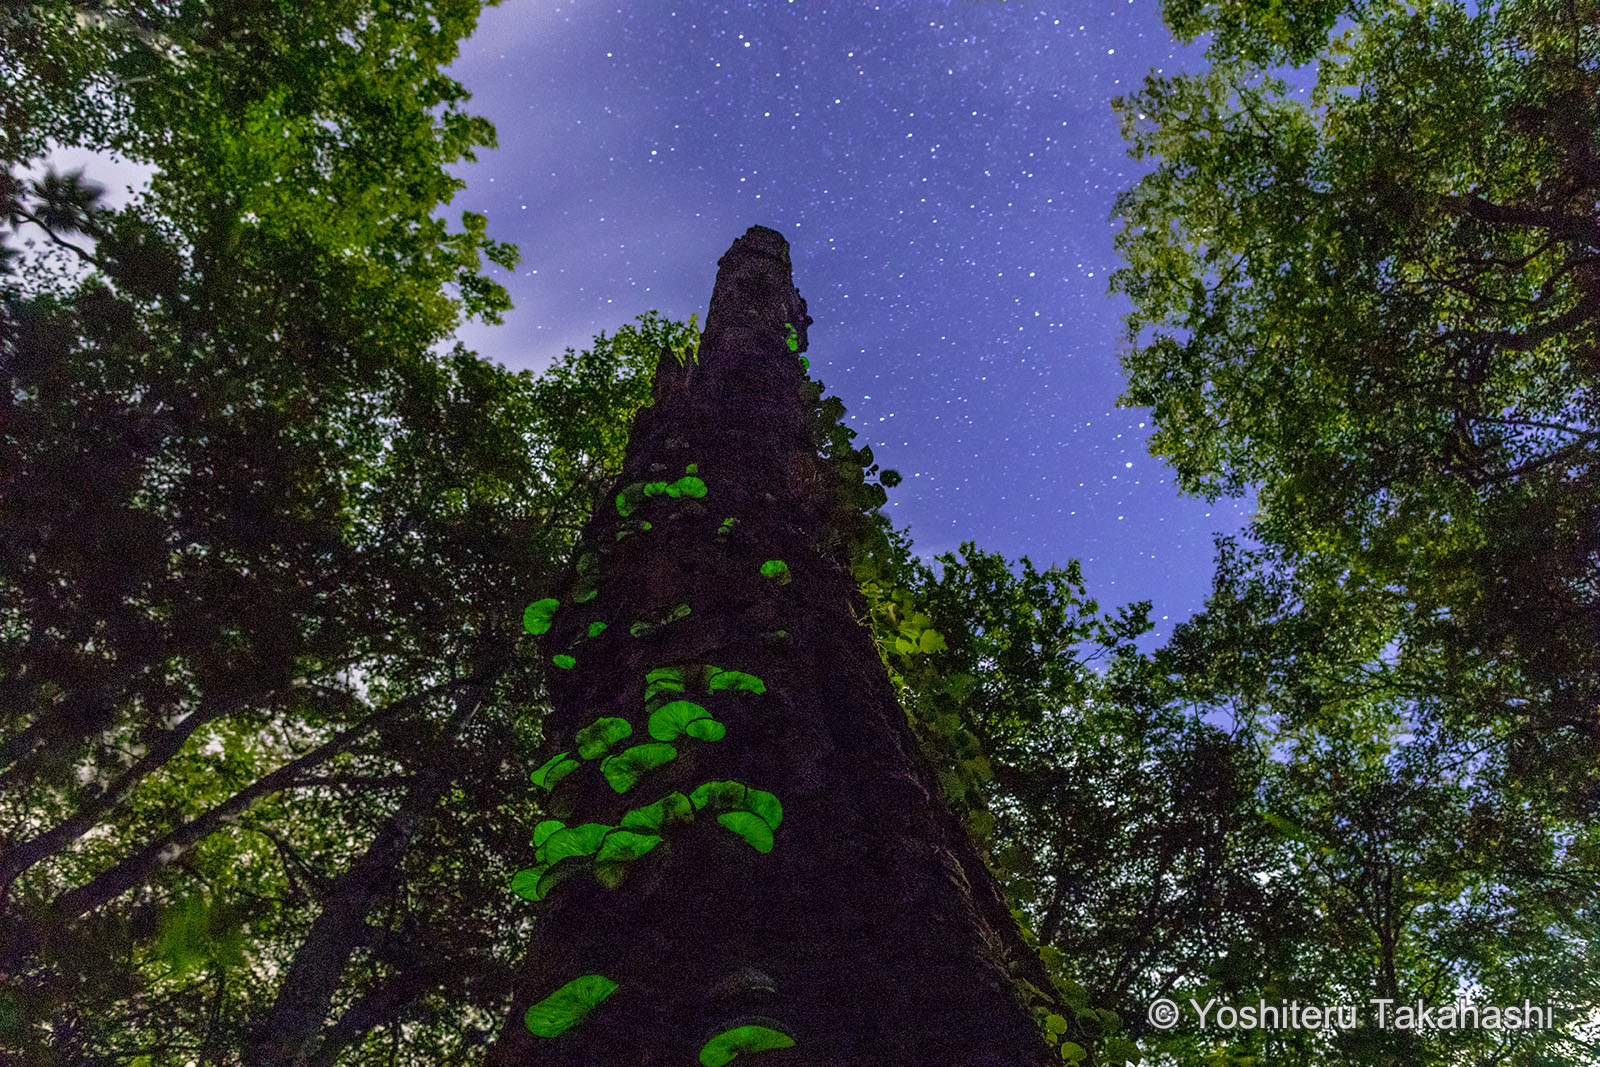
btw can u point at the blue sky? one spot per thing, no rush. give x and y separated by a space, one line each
944 173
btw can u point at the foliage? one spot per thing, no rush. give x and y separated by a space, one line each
1378 311
1390 308
265 553
591 397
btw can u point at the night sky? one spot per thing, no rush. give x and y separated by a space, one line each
944 173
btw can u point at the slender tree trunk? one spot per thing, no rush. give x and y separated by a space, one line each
288 1035
871 933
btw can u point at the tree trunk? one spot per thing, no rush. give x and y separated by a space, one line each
870 933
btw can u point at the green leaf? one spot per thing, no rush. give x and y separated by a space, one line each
672 808
564 661
736 681
553 770
573 841
1072 1052
568 1006
1119 1050
725 1046
596 628
1056 1024
670 721
777 570
598 737
931 641
539 615
624 769
542 832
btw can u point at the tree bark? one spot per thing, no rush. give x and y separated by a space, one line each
871 932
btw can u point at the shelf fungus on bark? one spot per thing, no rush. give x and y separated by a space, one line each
569 1005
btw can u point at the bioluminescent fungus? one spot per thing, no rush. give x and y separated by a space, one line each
672 808
571 841
553 770
624 768
539 615
725 1046
569 1005
596 739
755 813
672 720
736 681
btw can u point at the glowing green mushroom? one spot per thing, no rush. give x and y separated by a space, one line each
596 739
631 527
645 629
625 768
573 841
620 848
688 485
725 1046
569 1005
672 808
623 845
755 830
663 680
539 615
777 570
751 813
553 770
736 681
525 884
671 721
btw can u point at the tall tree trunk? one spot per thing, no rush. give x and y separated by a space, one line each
870 933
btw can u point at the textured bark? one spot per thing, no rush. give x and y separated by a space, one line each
885 939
